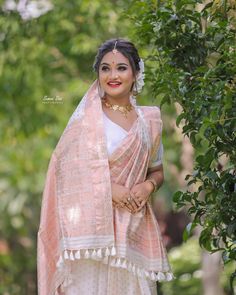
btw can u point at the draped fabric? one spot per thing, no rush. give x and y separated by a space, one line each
78 220
92 277
115 133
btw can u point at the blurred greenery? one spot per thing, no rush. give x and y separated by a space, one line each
50 57
46 57
192 58
188 271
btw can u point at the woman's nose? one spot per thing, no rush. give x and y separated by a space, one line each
114 74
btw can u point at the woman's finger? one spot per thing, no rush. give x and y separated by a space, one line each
135 198
137 203
134 204
141 206
129 208
130 205
127 205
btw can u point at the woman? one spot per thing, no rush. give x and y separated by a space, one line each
98 234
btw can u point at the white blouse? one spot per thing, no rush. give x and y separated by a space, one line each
115 134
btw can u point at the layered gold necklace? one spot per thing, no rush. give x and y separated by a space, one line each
115 107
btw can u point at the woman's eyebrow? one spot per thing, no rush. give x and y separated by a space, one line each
104 63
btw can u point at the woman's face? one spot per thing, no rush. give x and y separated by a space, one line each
117 69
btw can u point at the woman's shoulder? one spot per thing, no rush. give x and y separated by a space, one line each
152 112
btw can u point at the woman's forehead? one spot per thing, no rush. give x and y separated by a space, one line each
114 58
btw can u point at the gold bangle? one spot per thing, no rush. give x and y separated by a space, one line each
153 181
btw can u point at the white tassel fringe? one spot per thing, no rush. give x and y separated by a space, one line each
77 254
87 255
97 254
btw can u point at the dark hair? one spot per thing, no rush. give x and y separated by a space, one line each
125 47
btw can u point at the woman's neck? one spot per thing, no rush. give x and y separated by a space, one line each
121 101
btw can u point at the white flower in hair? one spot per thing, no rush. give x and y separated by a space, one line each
140 77
139 83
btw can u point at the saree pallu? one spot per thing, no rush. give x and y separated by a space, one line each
77 218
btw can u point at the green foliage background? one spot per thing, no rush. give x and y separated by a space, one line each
51 57
47 57
192 59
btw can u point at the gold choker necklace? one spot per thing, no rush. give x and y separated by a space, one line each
115 107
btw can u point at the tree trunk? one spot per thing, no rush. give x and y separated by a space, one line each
211 270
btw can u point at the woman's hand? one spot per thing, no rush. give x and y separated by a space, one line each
120 195
141 192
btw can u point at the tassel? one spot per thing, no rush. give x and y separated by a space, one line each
71 256
169 276
113 251
146 273
87 255
77 254
107 253
99 253
94 254
66 255
160 276
153 277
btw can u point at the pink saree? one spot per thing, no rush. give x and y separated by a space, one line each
78 220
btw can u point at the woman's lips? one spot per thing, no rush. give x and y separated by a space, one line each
114 85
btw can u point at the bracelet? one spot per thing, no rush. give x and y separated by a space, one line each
153 181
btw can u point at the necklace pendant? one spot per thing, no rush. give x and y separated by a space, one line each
124 110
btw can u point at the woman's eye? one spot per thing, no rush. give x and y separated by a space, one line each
104 68
122 68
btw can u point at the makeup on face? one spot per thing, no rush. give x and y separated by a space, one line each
121 67
115 74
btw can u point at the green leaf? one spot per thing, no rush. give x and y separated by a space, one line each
188 230
205 239
180 118
177 196
212 175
